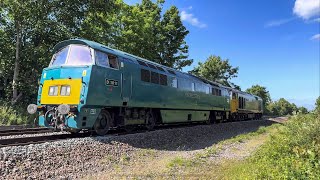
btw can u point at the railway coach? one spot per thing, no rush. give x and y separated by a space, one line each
89 86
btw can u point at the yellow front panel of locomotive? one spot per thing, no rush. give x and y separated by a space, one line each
73 98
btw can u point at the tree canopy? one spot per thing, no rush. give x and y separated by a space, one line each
281 107
216 69
30 29
261 92
317 109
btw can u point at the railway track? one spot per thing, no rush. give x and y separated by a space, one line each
38 139
20 141
10 132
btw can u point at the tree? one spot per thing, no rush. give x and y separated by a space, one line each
29 30
261 92
16 21
272 109
173 50
142 30
216 69
281 107
295 109
302 110
317 105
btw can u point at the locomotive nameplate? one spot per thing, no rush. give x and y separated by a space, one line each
111 82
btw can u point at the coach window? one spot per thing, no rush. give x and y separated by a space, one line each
193 86
163 79
155 77
145 75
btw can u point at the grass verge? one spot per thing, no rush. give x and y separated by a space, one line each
292 153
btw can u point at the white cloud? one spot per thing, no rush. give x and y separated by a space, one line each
278 22
317 20
316 37
189 18
307 8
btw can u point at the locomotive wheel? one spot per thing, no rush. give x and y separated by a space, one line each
102 124
150 121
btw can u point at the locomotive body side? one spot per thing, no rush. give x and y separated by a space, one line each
90 86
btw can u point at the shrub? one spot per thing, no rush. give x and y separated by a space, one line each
14 115
292 153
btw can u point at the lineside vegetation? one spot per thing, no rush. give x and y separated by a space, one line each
292 153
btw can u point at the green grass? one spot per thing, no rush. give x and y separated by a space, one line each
292 153
14 115
180 162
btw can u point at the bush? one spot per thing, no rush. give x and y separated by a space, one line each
14 115
292 153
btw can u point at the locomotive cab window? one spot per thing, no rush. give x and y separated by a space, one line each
106 60
72 55
113 61
101 58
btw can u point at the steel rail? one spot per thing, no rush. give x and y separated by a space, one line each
22 141
11 132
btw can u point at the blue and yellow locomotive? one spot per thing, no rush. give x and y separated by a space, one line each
89 86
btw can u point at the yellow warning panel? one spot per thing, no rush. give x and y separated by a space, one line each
56 97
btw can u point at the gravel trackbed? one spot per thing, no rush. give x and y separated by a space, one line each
79 157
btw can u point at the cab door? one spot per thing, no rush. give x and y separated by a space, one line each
234 103
126 80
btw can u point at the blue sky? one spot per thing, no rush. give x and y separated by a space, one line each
274 43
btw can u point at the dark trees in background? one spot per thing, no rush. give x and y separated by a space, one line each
30 29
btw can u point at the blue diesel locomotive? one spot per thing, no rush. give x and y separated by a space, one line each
89 86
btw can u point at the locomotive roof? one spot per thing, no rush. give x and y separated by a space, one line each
107 49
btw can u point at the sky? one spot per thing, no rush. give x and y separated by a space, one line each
274 43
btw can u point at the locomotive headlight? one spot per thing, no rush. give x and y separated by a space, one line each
65 90
32 108
53 90
63 109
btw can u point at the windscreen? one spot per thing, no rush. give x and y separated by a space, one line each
72 55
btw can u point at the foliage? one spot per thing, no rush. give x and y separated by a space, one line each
281 107
30 29
317 105
292 153
13 115
302 110
262 92
143 31
216 69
